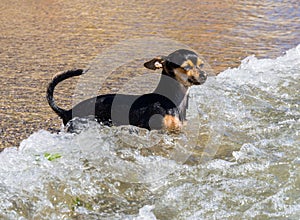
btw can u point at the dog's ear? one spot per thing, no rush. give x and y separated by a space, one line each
154 64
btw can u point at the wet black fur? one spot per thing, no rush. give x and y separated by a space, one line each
169 98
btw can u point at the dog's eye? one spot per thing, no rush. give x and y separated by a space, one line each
187 68
201 65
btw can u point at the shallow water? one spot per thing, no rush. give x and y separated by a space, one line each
244 165
238 157
41 38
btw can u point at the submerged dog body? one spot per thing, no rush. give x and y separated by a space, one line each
164 108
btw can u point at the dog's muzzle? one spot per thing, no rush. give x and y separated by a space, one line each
198 78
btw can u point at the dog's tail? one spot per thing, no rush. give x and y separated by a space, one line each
50 90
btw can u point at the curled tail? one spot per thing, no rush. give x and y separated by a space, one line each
50 90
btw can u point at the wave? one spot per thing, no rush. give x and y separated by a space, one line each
242 158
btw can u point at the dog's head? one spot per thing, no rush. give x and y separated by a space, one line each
183 65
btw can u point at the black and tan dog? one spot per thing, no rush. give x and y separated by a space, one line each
165 108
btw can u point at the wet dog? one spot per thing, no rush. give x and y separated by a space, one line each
164 108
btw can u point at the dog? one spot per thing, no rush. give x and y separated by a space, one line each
164 108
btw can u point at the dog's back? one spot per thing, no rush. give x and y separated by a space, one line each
164 108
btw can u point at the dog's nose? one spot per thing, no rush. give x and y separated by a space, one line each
203 75
197 77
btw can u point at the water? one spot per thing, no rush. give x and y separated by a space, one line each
242 163
65 34
245 164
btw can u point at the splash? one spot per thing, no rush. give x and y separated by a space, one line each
245 163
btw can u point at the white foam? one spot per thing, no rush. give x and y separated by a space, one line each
252 110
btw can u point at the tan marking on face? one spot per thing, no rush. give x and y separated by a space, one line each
172 123
193 73
189 73
181 76
187 63
199 62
